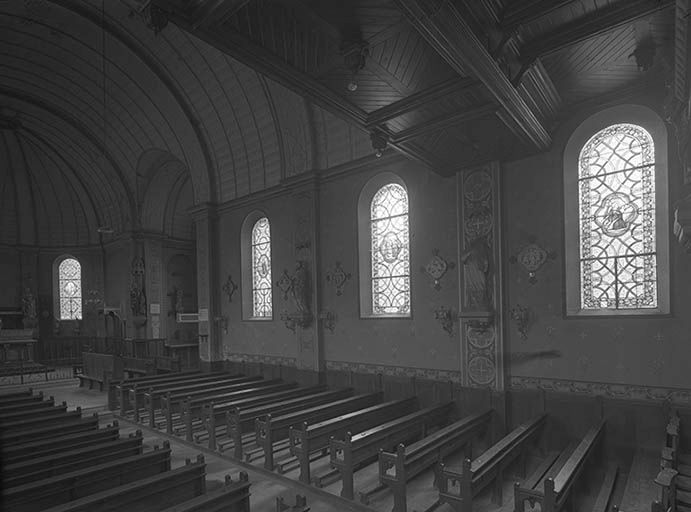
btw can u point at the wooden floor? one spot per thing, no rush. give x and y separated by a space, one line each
267 486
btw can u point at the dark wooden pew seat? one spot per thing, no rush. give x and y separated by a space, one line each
232 497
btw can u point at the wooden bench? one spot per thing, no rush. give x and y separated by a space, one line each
232 497
11 395
557 490
53 418
395 469
47 432
18 398
72 485
39 468
33 413
117 387
276 428
240 421
458 487
91 380
153 399
172 403
203 409
136 394
306 439
151 494
26 406
300 504
351 453
674 478
30 450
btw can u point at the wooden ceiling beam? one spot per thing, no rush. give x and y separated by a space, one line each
594 24
521 13
418 99
441 25
445 121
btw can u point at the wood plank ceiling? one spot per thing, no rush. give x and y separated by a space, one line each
449 83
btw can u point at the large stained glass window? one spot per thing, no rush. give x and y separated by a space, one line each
617 220
261 269
70 289
390 251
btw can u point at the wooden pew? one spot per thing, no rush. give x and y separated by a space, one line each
232 497
11 395
26 406
32 412
395 469
353 452
272 429
13 399
240 421
30 450
213 411
46 432
115 386
306 439
300 504
556 491
458 487
669 473
72 485
172 403
151 494
57 463
58 417
135 394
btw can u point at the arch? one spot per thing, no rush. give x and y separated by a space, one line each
615 166
384 248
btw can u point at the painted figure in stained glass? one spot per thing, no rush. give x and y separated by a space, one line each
390 242
617 219
70 289
261 269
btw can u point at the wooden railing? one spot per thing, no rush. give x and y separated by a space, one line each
68 350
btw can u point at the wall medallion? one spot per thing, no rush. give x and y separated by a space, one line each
437 267
229 288
446 318
338 277
285 283
532 257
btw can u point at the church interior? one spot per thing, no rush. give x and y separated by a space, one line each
367 255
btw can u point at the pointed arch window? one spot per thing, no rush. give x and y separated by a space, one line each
261 269
384 248
70 289
618 247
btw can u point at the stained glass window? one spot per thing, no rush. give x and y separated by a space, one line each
261 269
70 289
617 220
390 251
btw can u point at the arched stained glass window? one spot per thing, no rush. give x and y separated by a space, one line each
261 269
70 289
616 189
390 251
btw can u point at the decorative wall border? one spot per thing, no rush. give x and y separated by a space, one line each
395 371
259 358
617 391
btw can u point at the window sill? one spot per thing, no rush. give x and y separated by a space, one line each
610 314
386 317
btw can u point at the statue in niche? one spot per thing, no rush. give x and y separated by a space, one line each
179 294
300 288
137 295
476 261
28 305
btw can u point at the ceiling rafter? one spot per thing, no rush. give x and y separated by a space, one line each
445 121
418 99
449 34
523 12
594 24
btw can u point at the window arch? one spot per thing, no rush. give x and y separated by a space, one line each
383 212
616 214
256 263
69 289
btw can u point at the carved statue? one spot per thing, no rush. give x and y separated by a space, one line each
29 305
179 294
300 289
476 260
137 295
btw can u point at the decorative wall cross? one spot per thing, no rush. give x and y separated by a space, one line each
437 267
532 257
229 288
338 277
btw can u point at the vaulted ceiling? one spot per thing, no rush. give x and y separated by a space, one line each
124 113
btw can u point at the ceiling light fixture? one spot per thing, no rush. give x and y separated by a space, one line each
379 143
355 55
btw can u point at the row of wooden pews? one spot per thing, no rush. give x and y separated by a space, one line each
56 460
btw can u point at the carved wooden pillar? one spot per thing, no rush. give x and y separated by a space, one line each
206 223
479 224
